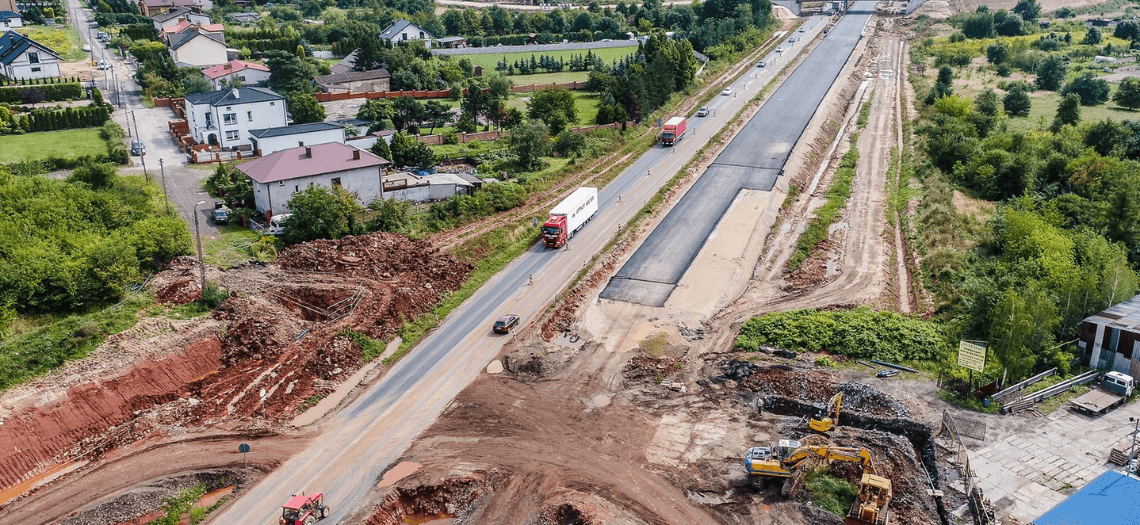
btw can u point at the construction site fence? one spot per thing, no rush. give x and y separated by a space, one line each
1001 396
980 507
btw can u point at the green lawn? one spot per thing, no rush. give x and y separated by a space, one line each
586 104
1044 106
489 60
69 143
231 248
62 40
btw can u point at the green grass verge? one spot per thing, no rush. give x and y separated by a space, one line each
490 252
864 113
829 492
70 143
1043 109
831 211
370 348
40 350
232 247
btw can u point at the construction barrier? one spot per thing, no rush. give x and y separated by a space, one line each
979 505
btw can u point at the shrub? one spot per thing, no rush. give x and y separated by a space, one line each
860 334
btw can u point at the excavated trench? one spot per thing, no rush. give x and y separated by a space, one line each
451 498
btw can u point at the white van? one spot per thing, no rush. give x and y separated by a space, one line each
277 224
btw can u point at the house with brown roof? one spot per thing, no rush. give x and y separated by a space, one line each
236 73
150 8
354 81
1110 340
278 176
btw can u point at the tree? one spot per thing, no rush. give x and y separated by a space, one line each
320 213
1068 113
1017 103
305 108
392 215
1092 90
1051 73
406 111
1028 9
289 73
97 176
437 113
530 141
979 25
407 151
1022 326
1127 30
1092 37
1128 94
987 103
997 52
554 107
380 148
1012 25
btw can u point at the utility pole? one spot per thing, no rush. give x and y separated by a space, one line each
1132 452
198 241
164 195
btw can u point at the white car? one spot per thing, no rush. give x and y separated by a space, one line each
104 65
780 49
703 112
727 91
802 29
87 48
762 63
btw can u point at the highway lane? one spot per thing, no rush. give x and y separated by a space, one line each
363 439
753 160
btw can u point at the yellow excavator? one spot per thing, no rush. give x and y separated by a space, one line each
789 459
828 416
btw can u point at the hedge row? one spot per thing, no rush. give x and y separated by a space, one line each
860 333
36 81
57 119
520 40
46 93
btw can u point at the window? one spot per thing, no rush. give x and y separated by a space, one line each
249 115
242 77
405 35
295 188
35 70
230 118
421 35
33 57
232 135
272 103
336 181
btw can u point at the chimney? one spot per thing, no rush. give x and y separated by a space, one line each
236 94
308 152
300 143
355 154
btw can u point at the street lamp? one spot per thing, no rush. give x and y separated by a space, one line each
198 241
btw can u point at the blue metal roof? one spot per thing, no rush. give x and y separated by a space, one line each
1111 499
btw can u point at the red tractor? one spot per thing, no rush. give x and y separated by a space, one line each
304 510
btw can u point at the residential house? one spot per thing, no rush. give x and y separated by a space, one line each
276 177
354 81
217 30
198 47
150 8
345 65
9 5
271 140
245 18
22 57
237 72
1110 340
10 19
404 31
177 16
225 117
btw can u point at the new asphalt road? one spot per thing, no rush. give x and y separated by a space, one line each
753 160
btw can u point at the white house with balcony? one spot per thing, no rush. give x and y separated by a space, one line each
404 31
225 117
275 178
22 57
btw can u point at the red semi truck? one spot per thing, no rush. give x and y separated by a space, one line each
673 131
569 215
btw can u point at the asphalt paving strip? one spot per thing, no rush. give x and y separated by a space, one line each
654 270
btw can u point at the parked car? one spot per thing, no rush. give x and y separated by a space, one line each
727 91
104 65
762 63
277 224
506 323
137 148
802 29
703 112
221 213
87 48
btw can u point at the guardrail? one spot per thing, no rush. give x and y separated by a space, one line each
1056 389
1018 387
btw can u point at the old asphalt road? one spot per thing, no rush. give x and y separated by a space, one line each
753 160
359 442
182 184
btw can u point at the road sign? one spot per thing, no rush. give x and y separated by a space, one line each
243 448
972 355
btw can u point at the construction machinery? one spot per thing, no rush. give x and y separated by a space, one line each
304 509
828 416
789 460
871 505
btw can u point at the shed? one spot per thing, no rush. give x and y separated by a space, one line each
408 186
1110 340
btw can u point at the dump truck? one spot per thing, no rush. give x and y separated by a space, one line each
569 216
673 131
1112 392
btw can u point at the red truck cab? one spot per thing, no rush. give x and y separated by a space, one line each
554 231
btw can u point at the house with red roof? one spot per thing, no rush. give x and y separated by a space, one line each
237 73
276 177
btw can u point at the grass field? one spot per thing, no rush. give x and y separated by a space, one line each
1044 109
62 40
488 62
69 143
586 103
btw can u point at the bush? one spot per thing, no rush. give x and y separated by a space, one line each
859 334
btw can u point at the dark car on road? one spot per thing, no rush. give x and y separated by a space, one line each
137 148
506 323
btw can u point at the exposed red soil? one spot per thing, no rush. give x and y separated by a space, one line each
278 346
